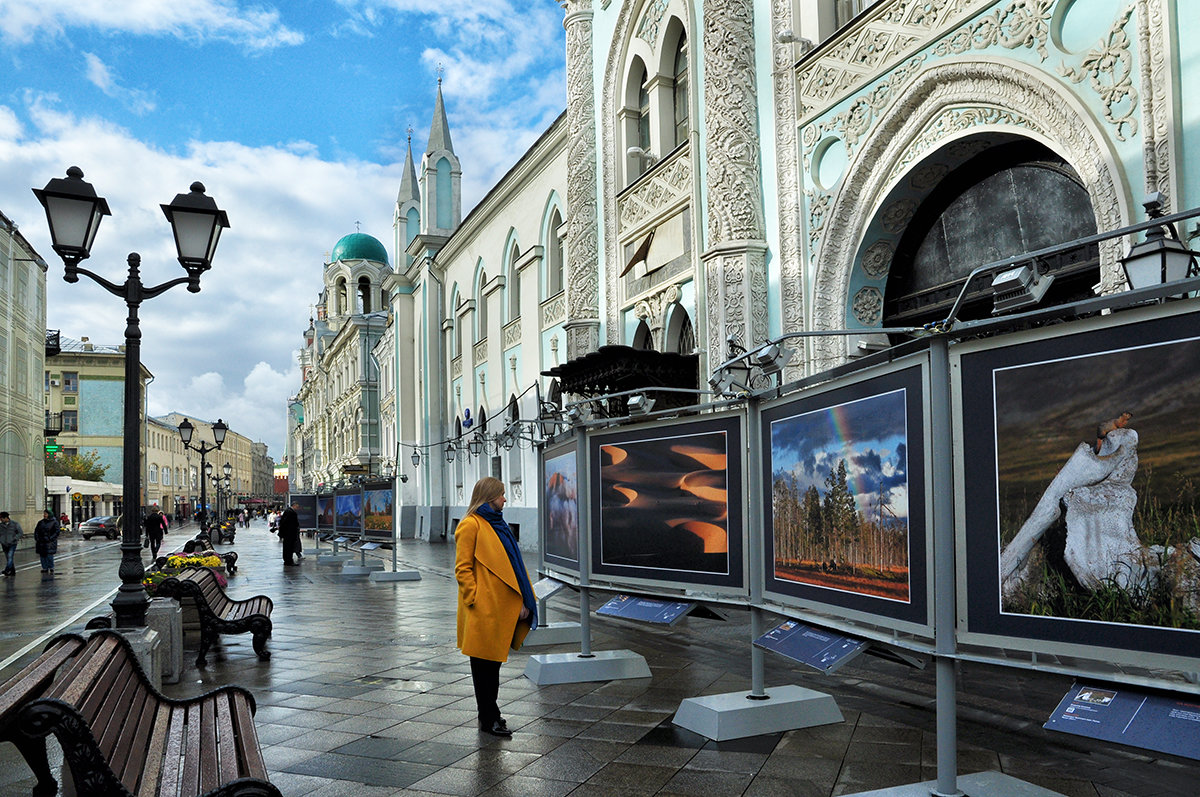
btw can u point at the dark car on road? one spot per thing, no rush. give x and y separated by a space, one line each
104 525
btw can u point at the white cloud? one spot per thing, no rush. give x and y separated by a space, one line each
100 76
10 125
286 209
256 27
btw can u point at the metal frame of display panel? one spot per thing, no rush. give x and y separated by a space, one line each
563 453
824 595
652 441
1088 370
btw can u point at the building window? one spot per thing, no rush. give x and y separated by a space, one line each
554 267
364 295
680 92
70 420
481 316
154 474
166 477
514 285
70 382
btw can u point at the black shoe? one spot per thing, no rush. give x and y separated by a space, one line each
291 564
497 728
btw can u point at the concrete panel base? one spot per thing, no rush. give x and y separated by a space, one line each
981 784
350 569
334 558
572 668
399 575
734 716
554 634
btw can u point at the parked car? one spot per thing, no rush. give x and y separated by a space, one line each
104 525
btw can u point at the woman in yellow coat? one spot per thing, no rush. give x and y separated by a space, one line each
496 603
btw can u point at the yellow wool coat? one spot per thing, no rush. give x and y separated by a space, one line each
489 596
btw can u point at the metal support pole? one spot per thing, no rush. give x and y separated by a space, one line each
756 516
585 543
944 610
129 606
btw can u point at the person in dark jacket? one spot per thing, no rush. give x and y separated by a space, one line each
289 535
45 540
156 526
10 534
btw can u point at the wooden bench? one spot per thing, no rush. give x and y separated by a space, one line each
218 613
119 736
27 685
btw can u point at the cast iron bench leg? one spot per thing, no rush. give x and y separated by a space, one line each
34 752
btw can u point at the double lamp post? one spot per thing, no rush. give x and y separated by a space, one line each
74 211
186 430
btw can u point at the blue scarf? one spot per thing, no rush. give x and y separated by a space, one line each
509 541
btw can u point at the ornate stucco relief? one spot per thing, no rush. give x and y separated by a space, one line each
669 185
554 310
890 33
480 351
787 158
1108 70
647 29
512 333
653 309
868 306
931 107
583 263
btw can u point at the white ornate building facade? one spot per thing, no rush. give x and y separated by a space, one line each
743 169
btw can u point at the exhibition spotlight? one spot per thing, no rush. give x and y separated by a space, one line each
639 404
74 212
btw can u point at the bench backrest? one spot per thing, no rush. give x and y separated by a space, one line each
35 677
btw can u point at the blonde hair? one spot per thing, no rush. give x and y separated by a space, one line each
486 490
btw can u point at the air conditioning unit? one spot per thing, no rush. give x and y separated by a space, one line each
55 382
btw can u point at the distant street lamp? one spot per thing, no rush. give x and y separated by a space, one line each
185 434
74 212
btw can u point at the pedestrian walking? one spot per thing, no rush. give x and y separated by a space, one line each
289 535
10 534
45 540
155 528
497 607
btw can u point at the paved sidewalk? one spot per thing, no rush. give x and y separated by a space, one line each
366 695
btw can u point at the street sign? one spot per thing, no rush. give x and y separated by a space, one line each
53 448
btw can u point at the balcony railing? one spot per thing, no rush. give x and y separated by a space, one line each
53 342
53 424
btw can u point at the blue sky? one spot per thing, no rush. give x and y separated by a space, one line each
294 116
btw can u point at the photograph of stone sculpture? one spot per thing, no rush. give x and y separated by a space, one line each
664 503
561 502
1097 469
840 497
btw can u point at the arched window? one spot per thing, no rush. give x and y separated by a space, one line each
364 294
681 335
642 338
481 314
643 140
154 474
340 304
679 94
514 284
554 263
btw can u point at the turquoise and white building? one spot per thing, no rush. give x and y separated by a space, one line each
742 169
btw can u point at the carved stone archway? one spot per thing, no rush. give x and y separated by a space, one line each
952 100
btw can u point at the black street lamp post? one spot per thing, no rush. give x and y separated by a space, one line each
74 211
186 429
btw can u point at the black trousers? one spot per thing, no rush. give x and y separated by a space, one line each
485 675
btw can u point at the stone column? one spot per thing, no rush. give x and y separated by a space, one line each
735 252
583 239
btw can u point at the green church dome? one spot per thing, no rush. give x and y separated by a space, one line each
359 246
